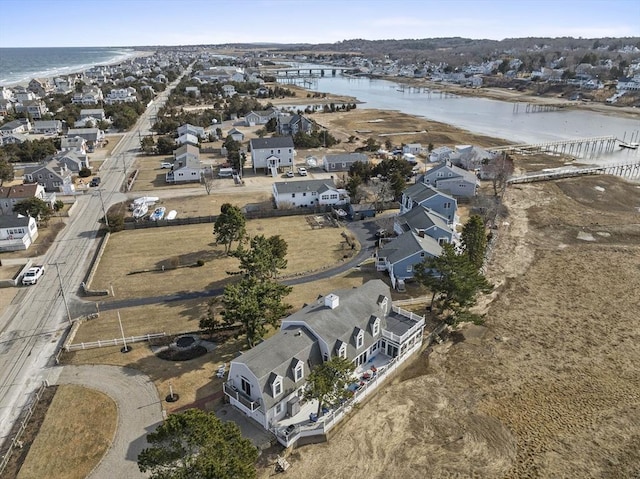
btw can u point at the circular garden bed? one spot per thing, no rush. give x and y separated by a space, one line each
171 354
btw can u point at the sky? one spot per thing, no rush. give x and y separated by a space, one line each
66 23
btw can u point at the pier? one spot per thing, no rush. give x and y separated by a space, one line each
537 108
578 147
629 170
304 72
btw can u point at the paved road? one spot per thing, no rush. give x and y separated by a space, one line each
138 414
32 325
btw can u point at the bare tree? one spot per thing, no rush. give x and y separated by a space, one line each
206 178
498 170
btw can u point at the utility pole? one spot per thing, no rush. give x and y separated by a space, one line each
64 298
104 211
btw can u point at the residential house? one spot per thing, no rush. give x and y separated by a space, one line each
272 154
440 154
35 108
428 196
52 176
343 161
73 160
254 118
76 143
422 220
6 107
192 91
268 382
93 136
121 95
12 138
17 233
628 84
187 139
40 86
93 114
404 252
470 157
21 125
25 95
187 166
188 129
453 179
291 125
47 127
236 134
412 148
308 193
90 95
10 195
228 90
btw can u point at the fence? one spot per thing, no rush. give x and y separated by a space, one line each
27 412
192 220
113 342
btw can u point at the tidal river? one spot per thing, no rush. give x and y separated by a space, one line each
484 116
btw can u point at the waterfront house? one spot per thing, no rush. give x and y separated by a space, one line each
429 197
254 118
400 255
272 154
17 233
422 220
440 154
268 382
412 148
452 179
308 193
342 161
40 86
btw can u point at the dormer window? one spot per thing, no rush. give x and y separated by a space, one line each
342 352
360 339
277 386
375 329
298 372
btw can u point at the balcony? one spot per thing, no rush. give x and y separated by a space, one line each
234 393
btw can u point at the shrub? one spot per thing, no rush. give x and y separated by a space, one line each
84 172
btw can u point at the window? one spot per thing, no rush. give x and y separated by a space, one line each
299 372
277 386
304 194
447 205
360 339
245 385
293 195
442 241
342 352
409 268
376 327
278 408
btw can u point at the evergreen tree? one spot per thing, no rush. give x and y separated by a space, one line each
474 240
230 225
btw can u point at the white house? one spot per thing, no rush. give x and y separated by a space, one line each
440 154
188 129
308 193
187 166
272 154
47 127
17 232
121 95
268 382
228 90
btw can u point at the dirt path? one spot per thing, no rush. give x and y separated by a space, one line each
138 414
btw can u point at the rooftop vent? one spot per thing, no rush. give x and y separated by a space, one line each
331 301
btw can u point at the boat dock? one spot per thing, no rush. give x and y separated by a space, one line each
537 108
580 146
629 170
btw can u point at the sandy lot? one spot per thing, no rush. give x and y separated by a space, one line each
550 386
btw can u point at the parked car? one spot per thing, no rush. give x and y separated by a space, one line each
95 181
302 171
33 275
166 164
290 174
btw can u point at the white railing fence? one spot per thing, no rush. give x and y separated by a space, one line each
113 342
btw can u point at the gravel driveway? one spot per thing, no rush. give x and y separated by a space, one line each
139 412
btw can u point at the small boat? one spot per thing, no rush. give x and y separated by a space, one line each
158 213
140 211
172 215
631 146
340 212
145 200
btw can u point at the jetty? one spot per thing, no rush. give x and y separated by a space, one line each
629 170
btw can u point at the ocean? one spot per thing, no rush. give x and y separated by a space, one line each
19 65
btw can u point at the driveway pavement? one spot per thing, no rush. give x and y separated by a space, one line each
139 412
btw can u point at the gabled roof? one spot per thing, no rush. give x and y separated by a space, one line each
421 192
269 143
347 158
186 148
421 218
14 221
28 190
408 244
456 172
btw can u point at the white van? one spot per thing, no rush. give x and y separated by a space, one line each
225 172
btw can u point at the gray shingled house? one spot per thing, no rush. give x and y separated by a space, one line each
267 383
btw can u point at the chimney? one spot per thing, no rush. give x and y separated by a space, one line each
331 301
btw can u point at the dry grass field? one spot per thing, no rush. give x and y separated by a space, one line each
133 260
81 423
549 387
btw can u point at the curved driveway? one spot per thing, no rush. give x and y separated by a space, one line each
139 412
